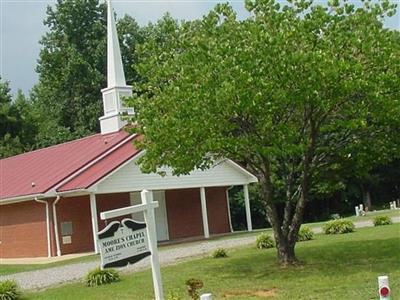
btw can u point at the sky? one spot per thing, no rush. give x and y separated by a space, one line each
21 28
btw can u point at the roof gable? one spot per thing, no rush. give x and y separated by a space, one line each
101 168
128 177
38 171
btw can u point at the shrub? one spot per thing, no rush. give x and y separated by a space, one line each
194 285
265 241
219 253
305 234
99 277
338 226
173 295
9 290
382 220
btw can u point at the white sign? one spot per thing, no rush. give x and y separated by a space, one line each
147 207
123 243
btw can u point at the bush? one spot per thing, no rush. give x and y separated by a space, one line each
219 253
305 234
99 277
265 241
194 285
9 290
338 226
382 220
173 295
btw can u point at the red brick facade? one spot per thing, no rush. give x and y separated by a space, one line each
184 212
77 211
23 225
23 230
111 201
217 210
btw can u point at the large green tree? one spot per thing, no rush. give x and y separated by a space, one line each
72 68
17 122
300 93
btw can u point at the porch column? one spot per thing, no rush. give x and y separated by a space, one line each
95 227
247 207
229 208
204 212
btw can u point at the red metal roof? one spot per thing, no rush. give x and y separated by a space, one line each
102 168
39 171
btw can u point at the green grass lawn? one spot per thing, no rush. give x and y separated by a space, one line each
371 215
10 269
334 267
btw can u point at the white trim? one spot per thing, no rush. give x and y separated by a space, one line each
136 156
203 202
181 183
47 225
165 213
247 207
126 210
95 226
18 199
88 165
228 206
55 221
52 192
252 178
243 170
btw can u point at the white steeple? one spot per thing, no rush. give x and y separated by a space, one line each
115 71
116 85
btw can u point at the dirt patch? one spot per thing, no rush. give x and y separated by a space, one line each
263 293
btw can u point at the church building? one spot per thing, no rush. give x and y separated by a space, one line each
51 198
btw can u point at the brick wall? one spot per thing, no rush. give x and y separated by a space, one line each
184 212
217 210
77 211
23 230
23 225
111 201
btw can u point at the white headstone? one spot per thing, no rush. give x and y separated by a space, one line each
207 296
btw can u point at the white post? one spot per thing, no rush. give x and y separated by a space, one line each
247 206
384 290
204 212
228 206
149 218
95 226
47 225
55 221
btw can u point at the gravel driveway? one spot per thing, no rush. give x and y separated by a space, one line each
58 275
44 278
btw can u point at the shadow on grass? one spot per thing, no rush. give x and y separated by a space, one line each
347 257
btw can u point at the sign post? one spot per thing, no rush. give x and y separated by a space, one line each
125 242
149 218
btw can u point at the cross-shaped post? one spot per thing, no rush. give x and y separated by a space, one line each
147 206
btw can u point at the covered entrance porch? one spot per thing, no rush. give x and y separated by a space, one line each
192 206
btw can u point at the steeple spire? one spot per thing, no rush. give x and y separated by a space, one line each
116 88
115 71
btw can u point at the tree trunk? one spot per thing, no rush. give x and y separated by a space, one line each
286 254
366 197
